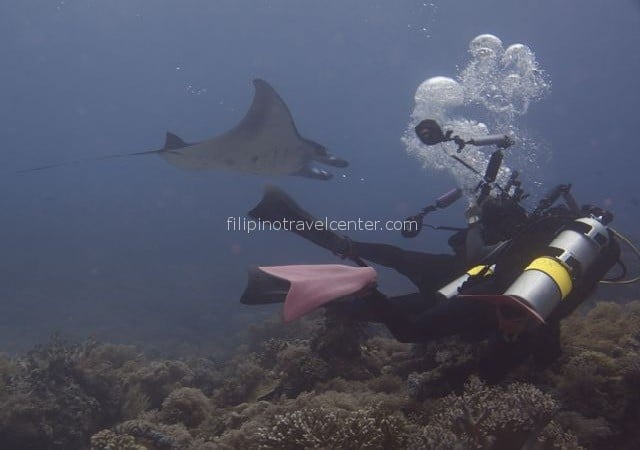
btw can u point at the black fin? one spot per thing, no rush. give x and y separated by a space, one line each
277 206
264 288
173 142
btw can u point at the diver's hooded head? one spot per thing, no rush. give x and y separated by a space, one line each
502 219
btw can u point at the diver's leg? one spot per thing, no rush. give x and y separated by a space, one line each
427 271
502 356
376 307
411 318
277 206
450 317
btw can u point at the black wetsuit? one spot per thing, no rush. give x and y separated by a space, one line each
424 316
421 316
427 271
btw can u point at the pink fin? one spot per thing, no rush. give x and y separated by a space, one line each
315 285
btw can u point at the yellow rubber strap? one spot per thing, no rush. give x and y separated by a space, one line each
477 269
556 270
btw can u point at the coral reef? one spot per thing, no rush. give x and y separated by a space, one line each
442 365
488 417
598 375
326 383
59 395
44 404
108 440
369 428
188 406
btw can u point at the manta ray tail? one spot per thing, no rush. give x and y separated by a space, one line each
172 142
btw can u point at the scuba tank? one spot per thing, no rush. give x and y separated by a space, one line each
549 278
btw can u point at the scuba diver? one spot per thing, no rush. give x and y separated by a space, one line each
511 279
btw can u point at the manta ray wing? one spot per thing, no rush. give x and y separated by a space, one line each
268 113
265 141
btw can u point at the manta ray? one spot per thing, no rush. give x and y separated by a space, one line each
265 142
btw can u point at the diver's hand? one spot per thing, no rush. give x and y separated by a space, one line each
473 214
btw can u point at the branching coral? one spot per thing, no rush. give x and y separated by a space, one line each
445 364
488 417
108 440
244 422
554 436
156 436
320 428
589 431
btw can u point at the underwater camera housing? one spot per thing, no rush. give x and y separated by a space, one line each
430 133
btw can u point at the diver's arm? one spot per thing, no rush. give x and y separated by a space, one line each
475 247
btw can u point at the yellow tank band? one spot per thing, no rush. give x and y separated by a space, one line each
477 269
554 269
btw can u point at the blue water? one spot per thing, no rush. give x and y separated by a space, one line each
137 250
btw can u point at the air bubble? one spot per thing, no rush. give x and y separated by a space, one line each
485 45
440 90
500 84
